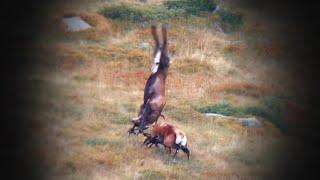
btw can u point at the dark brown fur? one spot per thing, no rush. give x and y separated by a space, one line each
154 91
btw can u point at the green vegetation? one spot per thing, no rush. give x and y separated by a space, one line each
223 108
96 141
230 21
104 141
270 108
191 6
145 13
137 13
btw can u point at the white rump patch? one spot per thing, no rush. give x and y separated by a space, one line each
155 63
181 140
184 141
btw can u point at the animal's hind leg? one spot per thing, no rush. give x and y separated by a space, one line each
186 150
168 149
174 156
132 129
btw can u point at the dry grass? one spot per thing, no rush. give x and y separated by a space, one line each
90 84
242 88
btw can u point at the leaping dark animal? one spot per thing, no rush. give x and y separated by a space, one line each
154 91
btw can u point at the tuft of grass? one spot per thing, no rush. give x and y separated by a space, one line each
103 141
223 108
152 174
122 120
81 78
96 141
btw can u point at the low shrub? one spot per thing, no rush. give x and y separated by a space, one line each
137 13
230 21
147 13
193 7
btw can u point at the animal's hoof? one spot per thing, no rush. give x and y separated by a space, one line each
146 134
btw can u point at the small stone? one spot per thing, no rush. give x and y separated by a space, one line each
144 45
251 122
75 23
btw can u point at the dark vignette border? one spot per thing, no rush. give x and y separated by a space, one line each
302 158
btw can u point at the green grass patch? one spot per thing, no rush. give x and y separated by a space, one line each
96 141
223 108
230 21
185 11
103 141
138 13
270 108
193 7
147 12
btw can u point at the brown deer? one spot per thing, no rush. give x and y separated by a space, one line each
154 91
169 136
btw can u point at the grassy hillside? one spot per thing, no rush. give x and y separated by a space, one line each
88 85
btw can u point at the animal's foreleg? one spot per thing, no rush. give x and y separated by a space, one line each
144 117
131 130
168 149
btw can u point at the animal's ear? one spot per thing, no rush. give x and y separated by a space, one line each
155 36
164 36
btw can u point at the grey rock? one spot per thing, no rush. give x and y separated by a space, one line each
75 23
251 122
215 115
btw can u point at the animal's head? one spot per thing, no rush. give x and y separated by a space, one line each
160 55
